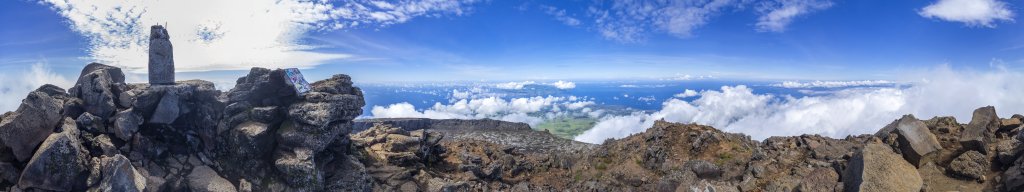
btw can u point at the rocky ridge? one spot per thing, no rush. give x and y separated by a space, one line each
107 135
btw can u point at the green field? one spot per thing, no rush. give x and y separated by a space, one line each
567 127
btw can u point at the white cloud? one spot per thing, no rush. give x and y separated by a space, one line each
561 15
514 85
563 84
941 91
16 85
230 34
686 93
777 14
530 110
970 12
832 84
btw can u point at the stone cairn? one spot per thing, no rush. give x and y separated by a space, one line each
161 57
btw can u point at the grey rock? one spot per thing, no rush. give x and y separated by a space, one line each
126 123
320 108
8 172
1007 151
298 169
876 168
204 179
316 138
161 56
916 143
30 124
979 131
98 86
970 164
704 169
1013 178
104 144
350 176
167 110
91 123
58 163
119 175
821 179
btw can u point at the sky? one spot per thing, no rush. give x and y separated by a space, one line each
960 54
401 41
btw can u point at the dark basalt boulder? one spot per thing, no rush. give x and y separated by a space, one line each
98 87
980 130
916 143
37 117
58 163
118 175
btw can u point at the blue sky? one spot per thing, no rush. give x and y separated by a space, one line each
524 40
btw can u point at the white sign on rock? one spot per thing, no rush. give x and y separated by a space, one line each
294 77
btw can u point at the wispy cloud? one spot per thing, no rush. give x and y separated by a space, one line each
984 13
777 14
630 20
233 34
561 15
832 84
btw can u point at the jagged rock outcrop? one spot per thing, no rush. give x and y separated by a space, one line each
37 116
117 174
978 133
913 139
58 163
876 168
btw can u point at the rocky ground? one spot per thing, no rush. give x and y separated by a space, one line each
107 135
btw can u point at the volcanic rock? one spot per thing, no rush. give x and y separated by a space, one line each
980 130
970 164
119 175
58 163
876 168
98 86
161 56
916 143
205 179
37 117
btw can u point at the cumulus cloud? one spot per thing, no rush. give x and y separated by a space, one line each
563 84
686 93
232 34
777 14
530 110
16 85
832 84
970 12
941 91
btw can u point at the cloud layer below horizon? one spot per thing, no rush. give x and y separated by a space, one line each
938 92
